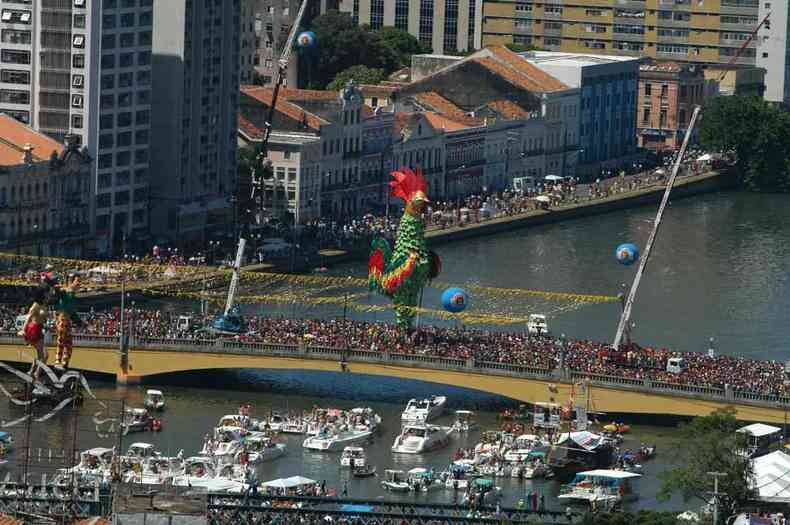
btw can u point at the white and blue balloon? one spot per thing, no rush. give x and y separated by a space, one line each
627 254
455 300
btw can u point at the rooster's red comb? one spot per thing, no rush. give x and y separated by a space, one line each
408 184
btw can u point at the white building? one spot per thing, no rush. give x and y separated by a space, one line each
773 50
84 68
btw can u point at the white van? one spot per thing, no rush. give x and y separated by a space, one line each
676 365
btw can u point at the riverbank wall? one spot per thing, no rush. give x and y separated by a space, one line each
684 187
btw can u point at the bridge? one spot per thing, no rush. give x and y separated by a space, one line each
149 357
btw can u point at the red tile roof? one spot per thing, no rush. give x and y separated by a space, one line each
378 88
531 77
308 94
8 520
438 121
249 129
401 120
93 521
289 109
435 102
14 136
508 109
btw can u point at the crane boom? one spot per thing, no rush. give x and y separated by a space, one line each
744 46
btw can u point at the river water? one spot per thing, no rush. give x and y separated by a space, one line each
719 270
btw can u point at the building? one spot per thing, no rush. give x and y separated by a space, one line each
446 26
607 125
45 193
196 67
273 21
668 92
248 45
81 68
740 81
695 31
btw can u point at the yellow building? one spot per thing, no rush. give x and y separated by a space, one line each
710 32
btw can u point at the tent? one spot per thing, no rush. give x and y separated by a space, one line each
585 439
298 481
705 158
771 477
552 177
543 198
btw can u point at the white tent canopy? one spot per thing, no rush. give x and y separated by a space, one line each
289 483
759 430
552 177
705 158
585 439
772 477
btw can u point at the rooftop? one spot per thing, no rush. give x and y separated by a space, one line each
759 429
433 101
287 108
518 71
574 59
15 136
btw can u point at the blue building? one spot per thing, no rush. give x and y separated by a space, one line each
608 84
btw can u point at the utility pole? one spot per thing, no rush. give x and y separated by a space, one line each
716 494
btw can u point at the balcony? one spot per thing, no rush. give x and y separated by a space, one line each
739 7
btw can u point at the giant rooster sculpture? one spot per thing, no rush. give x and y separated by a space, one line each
401 273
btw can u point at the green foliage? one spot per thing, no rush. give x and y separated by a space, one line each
340 45
709 444
402 43
521 48
359 74
758 134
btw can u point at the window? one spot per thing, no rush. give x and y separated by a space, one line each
124 139
141 137
648 89
78 61
11 96
108 21
16 16
106 122
79 41
76 101
16 36
122 178
122 158
108 61
144 97
79 3
144 38
79 22
103 201
143 117
146 18
144 58
105 161
12 76
10 56
125 80
124 119
124 100
143 78
127 40
664 90
646 116
141 156
106 141
76 121
126 60
105 181
77 81
127 20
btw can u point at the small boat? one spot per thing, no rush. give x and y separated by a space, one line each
537 325
353 457
419 438
422 480
465 421
601 487
336 441
424 410
261 448
617 428
364 472
294 426
139 420
199 472
483 491
154 400
396 481
646 452
523 446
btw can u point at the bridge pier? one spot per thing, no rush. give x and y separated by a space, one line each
123 378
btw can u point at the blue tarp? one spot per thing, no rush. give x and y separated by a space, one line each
356 508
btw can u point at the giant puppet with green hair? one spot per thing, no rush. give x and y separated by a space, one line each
403 271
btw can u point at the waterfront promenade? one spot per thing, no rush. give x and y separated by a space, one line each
611 394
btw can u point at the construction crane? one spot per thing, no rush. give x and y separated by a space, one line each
231 322
765 22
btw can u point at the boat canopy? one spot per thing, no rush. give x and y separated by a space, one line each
484 483
759 430
154 393
586 440
602 474
289 483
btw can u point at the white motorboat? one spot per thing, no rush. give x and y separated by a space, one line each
95 463
422 480
237 420
604 488
483 491
523 446
364 419
336 441
465 421
424 410
199 472
275 423
294 426
419 438
537 325
353 457
396 481
154 400
260 449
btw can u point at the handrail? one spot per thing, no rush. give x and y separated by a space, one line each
164 344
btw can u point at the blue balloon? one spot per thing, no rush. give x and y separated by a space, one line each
306 39
627 254
454 300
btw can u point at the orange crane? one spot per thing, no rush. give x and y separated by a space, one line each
765 22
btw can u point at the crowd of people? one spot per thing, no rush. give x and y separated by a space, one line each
516 348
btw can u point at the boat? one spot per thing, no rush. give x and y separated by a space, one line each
419 438
422 480
523 446
536 467
601 488
465 421
154 400
139 420
353 457
483 491
758 439
537 325
645 452
424 410
336 441
237 420
576 452
199 472
364 472
6 447
294 426
95 464
617 428
396 481
260 449
363 418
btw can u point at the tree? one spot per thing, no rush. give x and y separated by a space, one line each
359 74
339 45
709 444
402 44
521 48
756 132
